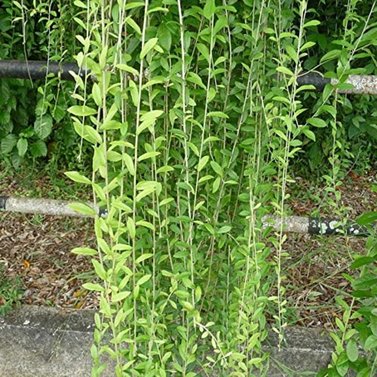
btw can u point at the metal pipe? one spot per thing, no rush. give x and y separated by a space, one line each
362 84
314 226
37 70
43 206
290 224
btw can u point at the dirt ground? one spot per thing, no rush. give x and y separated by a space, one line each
37 249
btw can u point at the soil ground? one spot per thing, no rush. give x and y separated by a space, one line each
37 250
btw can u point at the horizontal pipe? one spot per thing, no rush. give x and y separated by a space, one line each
289 224
362 84
37 70
314 226
42 206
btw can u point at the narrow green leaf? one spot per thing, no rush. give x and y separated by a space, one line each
143 280
83 209
147 155
225 229
143 257
131 227
317 122
84 251
93 287
333 54
133 25
121 296
129 163
217 168
352 351
77 177
82 111
217 114
209 9
196 79
203 49
149 45
127 68
312 23
99 269
202 163
285 70
97 95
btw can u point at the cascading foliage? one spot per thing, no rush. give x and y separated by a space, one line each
193 114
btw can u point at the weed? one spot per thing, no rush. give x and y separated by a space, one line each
10 291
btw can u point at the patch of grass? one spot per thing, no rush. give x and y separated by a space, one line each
11 289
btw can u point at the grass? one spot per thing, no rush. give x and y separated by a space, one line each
11 290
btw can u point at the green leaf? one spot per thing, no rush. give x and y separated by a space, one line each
352 351
97 95
209 9
82 111
148 119
93 287
134 4
285 70
291 51
217 168
224 229
38 149
127 68
133 25
99 269
307 45
312 23
362 261
371 343
145 192
367 218
333 54
83 209
148 47
134 92
8 143
164 37
77 177
88 133
147 155
166 201
120 296
308 133
317 122
203 49
217 114
84 251
129 163
143 257
43 126
196 79
22 145
202 163
143 280
131 227
216 184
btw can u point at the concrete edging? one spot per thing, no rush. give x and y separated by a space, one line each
48 342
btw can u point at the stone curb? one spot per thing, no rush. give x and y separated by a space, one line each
47 342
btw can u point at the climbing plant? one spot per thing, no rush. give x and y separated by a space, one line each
192 115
